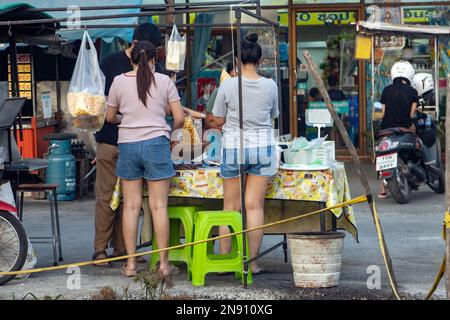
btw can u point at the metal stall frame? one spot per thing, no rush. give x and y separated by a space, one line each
375 29
379 28
186 8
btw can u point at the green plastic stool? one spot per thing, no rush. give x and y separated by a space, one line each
203 260
177 215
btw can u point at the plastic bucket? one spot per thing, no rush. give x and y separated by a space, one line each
316 258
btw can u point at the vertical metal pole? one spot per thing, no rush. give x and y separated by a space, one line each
372 55
58 92
188 63
237 13
436 75
447 191
277 64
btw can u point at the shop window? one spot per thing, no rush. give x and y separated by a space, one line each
324 1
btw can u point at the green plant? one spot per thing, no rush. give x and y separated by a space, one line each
106 293
152 285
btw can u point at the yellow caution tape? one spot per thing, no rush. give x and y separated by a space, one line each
85 263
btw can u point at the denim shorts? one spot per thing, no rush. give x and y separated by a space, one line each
149 159
259 161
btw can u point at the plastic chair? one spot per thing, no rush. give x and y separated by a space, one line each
204 260
186 216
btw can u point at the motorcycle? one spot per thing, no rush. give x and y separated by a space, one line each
13 241
406 161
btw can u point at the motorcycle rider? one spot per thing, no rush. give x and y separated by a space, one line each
399 102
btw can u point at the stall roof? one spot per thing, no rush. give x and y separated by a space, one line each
107 34
404 28
19 11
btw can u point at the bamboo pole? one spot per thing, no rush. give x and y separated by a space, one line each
351 148
447 189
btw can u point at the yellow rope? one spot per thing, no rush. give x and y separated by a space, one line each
85 263
383 251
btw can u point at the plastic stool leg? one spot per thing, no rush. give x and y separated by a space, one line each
52 216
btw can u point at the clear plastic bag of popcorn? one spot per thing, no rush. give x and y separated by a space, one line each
85 98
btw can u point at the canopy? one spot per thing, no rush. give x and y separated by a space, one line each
19 11
404 28
107 34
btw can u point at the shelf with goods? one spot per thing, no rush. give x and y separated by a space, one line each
39 115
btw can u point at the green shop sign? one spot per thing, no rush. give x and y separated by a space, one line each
340 106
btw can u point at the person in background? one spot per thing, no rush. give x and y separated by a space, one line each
260 107
139 101
108 224
314 95
399 102
333 90
209 122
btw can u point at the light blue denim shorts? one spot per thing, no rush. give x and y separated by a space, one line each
259 161
148 159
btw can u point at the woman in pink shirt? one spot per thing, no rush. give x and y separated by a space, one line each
139 101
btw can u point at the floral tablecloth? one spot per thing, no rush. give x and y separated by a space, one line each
328 186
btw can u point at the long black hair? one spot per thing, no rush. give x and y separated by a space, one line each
142 53
251 51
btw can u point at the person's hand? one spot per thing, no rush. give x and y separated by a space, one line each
194 114
94 161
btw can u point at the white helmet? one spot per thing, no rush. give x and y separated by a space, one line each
402 69
423 83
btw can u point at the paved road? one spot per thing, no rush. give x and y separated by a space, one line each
413 234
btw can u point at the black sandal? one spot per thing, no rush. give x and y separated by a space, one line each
101 264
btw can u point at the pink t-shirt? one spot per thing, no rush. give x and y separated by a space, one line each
142 122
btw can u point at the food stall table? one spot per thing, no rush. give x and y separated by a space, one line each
289 194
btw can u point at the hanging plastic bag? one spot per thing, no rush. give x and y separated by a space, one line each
114 203
85 98
175 51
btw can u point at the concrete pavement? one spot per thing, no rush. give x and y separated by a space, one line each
413 235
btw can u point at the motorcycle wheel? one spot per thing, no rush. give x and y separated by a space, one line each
13 245
438 185
399 186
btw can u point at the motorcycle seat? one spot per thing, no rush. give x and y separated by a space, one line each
389 131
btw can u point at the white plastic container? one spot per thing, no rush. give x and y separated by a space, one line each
316 258
325 153
300 157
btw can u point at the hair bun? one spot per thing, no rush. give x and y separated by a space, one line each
252 37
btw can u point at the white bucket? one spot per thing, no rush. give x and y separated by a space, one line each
316 258
300 157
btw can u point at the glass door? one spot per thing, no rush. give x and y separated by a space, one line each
329 36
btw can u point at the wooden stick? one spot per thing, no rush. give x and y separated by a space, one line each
447 188
351 148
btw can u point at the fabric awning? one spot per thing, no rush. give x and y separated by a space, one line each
404 28
17 12
107 34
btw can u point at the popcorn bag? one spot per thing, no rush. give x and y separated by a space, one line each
176 51
85 98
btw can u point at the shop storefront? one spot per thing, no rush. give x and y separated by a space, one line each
327 30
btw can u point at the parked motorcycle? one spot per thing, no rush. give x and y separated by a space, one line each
13 242
406 161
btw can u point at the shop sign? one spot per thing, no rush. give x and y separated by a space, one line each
418 15
339 106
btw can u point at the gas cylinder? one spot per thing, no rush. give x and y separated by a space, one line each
62 168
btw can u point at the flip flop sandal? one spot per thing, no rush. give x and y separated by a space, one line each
382 195
96 256
172 272
128 273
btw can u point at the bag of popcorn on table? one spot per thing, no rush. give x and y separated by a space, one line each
86 101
